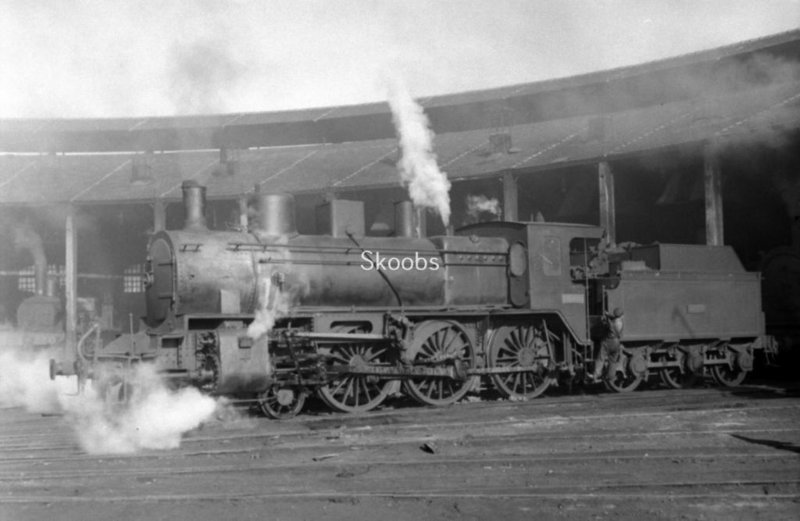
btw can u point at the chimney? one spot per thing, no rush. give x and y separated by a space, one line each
194 205
275 213
340 218
404 219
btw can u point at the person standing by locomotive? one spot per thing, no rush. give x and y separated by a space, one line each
609 347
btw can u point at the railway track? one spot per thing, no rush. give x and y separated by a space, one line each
717 454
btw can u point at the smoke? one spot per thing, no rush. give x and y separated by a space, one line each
25 381
156 416
477 204
203 75
25 238
272 304
427 186
100 59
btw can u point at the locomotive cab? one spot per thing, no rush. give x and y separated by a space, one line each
546 281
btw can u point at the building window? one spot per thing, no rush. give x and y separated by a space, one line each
57 273
133 280
27 278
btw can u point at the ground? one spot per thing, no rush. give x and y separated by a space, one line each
702 453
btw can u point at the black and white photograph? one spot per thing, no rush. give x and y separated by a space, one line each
399 260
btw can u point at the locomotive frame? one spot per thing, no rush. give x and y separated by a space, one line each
516 303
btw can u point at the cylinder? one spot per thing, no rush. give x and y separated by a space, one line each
194 205
275 214
404 219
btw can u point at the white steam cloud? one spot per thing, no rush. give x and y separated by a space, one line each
203 76
428 186
155 418
101 59
25 381
272 304
476 204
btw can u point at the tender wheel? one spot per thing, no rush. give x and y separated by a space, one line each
623 379
281 404
727 376
356 393
440 344
672 377
519 346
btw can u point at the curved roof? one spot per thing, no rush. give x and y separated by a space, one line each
749 90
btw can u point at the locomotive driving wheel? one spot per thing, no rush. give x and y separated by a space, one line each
520 346
281 403
352 393
440 344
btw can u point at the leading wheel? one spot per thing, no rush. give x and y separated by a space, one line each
519 346
115 391
440 344
728 376
352 393
281 404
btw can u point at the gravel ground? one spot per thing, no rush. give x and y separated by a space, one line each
656 454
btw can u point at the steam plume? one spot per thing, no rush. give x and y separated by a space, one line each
156 417
428 186
273 304
480 203
25 381
25 238
203 76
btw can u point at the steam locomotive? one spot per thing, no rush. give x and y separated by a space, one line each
355 318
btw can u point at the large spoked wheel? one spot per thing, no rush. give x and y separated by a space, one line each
519 346
281 404
440 344
672 377
352 393
623 379
728 376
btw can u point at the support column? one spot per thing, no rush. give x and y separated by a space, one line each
713 195
243 217
71 292
510 197
608 217
159 216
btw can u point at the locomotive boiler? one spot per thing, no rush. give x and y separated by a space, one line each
272 315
